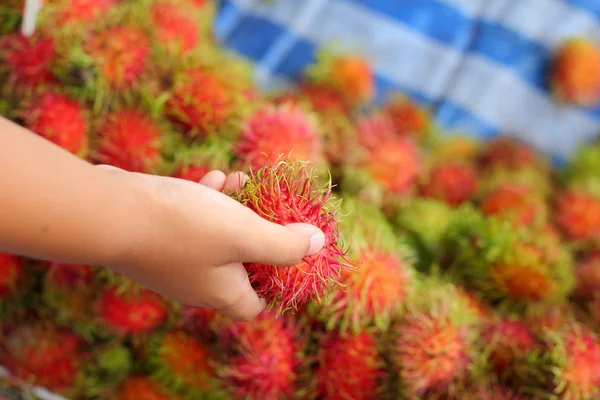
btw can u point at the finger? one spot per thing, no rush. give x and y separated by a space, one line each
246 304
109 167
214 180
261 241
235 182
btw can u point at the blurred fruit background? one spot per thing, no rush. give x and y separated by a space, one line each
464 257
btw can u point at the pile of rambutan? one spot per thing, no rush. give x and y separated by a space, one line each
452 268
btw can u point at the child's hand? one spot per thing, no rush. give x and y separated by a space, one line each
192 245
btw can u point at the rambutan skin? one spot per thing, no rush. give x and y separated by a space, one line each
192 173
130 313
285 193
507 153
122 53
58 119
261 359
174 26
508 340
11 273
141 387
451 182
28 60
68 276
577 213
353 78
349 368
575 73
44 355
130 140
515 202
71 12
201 102
407 117
272 132
431 352
588 275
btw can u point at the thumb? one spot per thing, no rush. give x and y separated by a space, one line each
279 245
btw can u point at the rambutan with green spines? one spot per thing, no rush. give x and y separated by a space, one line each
139 386
26 63
409 118
425 221
517 203
338 134
286 192
584 165
456 147
271 132
566 367
59 119
452 182
577 212
262 359
74 14
348 74
434 348
11 15
349 367
184 365
177 29
510 153
193 161
575 72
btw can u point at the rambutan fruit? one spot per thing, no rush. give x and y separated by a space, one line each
175 27
202 322
575 72
132 312
11 14
508 339
11 275
587 272
516 203
452 182
349 367
566 367
43 354
408 118
67 13
594 308
584 165
338 134
457 148
322 98
434 350
69 291
183 364
493 391
58 119
509 153
138 387
27 61
129 139
121 53
385 165
201 102
577 214
350 75
273 132
286 192
262 359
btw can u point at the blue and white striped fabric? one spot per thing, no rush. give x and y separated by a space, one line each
480 64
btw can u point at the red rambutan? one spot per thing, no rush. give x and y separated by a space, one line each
261 358
201 102
202 322
174 26
454 183
322 98
588 275
58 119
192 173
577 213
407 117
522 282
353 78
129 139
44 355
286 193
141 387
507 153
121 52
575 74
272 132
516 203
183 364
11 274
508 339
133 312
28 61
71 12
349 368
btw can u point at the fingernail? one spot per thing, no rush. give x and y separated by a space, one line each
317 237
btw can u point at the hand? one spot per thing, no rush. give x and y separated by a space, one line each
192 243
